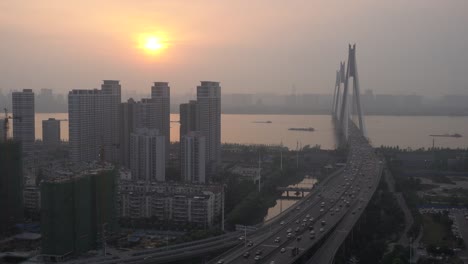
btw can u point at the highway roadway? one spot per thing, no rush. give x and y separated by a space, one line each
344 195
326 253
332 200
201 247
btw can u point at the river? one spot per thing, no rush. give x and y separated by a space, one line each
404 131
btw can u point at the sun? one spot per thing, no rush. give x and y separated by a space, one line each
152 44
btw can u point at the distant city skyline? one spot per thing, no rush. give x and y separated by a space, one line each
402 45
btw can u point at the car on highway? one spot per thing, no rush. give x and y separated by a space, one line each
321 230
278 239
282 223
250 244
259 252
258 258
290 235
221 261
283 250
299 238
289 230
323 222
246 254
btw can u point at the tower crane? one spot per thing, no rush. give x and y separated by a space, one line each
6 125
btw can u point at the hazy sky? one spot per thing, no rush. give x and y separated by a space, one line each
410 46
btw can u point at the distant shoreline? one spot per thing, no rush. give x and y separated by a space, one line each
374 114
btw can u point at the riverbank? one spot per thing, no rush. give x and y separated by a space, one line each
247 206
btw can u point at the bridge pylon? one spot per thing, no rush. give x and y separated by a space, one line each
343 104
340 79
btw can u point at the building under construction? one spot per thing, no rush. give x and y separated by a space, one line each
11 185
77 212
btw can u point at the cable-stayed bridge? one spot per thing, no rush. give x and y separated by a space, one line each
313 230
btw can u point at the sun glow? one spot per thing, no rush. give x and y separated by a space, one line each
152 44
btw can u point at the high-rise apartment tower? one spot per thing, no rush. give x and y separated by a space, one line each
51 132
193 146
160 93
23 124
94 123
209 122
147 155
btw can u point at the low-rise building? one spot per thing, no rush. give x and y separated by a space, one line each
32 199
180 203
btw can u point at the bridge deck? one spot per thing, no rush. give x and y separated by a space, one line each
343 200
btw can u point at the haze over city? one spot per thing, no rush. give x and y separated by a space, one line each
234 132
262 46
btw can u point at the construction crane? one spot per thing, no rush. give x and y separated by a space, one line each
6 125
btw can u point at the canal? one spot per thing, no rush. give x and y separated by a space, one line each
284 203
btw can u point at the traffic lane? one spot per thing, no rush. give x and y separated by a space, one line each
270 244
352 171
331 216
328 250
335 240
281 258
306 240
291 220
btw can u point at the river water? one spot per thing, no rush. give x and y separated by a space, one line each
404 131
